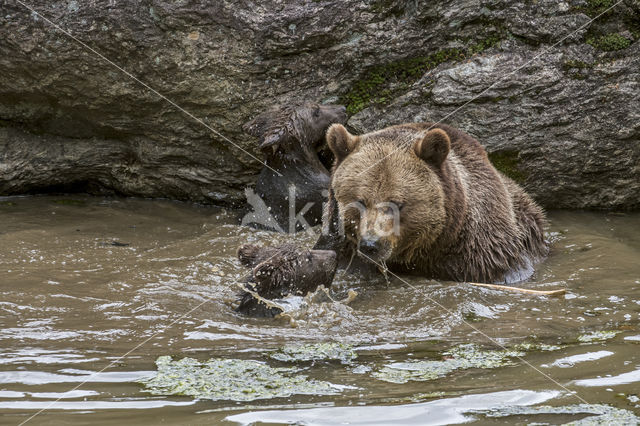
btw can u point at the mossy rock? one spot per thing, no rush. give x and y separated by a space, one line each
594 8
507 162
609 42
384 7
573 63
381 83
577 70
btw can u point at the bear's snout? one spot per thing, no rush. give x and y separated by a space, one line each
327 257
321 267
374 248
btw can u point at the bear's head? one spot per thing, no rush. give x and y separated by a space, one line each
389 191
289 129
292 140
280 271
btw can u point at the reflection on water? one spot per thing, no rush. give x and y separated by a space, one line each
440 412
86 280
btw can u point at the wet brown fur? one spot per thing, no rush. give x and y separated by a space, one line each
291 138
281 271
299 129
462 220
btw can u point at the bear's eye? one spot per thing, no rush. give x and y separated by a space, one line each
398 204
316 112
387 210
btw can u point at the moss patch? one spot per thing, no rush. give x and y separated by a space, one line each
381 83
609 42
230 379
384 7
462 357
572 63
507 162
600 35
578 70
593 8
316 352
7 203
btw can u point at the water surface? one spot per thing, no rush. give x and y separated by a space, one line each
88 283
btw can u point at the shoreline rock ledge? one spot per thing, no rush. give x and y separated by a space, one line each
553 97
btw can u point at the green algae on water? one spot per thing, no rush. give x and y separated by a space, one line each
597 336
230 379
420 397
542 347
316 352
599 414
461 357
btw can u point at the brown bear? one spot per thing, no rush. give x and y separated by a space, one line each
423 198
291 139
277 272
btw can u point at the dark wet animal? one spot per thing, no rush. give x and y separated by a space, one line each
292 140
277 272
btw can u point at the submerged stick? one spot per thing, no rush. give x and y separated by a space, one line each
522 290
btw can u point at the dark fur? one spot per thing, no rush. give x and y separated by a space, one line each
277 272
290 138
462 220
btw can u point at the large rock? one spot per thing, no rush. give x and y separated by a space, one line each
561 115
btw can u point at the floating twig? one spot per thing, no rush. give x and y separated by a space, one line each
558 292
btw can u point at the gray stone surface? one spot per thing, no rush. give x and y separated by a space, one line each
560 115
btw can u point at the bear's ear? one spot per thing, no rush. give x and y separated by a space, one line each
248 254
341 142
433 147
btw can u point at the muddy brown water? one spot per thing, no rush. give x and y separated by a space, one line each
72 302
